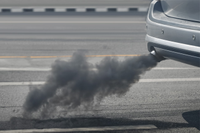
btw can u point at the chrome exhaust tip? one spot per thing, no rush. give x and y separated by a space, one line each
156 56
153 52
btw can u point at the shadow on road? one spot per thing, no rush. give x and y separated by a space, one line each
193 118
21 123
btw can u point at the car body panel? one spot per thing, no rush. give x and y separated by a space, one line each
173 38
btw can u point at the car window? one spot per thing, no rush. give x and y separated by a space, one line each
184 9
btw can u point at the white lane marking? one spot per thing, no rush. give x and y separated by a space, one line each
20 83
101 9
17 10
89 129
72 22
143 9
24 69
39 10
60 9
48 69
176 68
141 81
122 9
169 80
80 10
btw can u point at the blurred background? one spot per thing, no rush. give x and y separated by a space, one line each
8 3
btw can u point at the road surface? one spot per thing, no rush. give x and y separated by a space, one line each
167 97
71 3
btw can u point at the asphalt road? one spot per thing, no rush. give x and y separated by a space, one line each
72 3
167 96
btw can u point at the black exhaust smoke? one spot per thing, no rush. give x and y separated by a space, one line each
75 83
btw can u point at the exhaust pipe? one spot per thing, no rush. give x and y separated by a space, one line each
156 56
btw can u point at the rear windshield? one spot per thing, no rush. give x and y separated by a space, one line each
183 9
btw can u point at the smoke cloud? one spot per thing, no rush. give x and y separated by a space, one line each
77 83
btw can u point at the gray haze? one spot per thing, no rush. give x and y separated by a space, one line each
73 83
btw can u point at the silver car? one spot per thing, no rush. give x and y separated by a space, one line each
173 30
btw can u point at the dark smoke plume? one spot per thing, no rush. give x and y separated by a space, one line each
74 83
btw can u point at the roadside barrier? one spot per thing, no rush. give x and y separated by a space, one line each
71 9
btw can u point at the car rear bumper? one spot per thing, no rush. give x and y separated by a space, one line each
173 50
173 38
